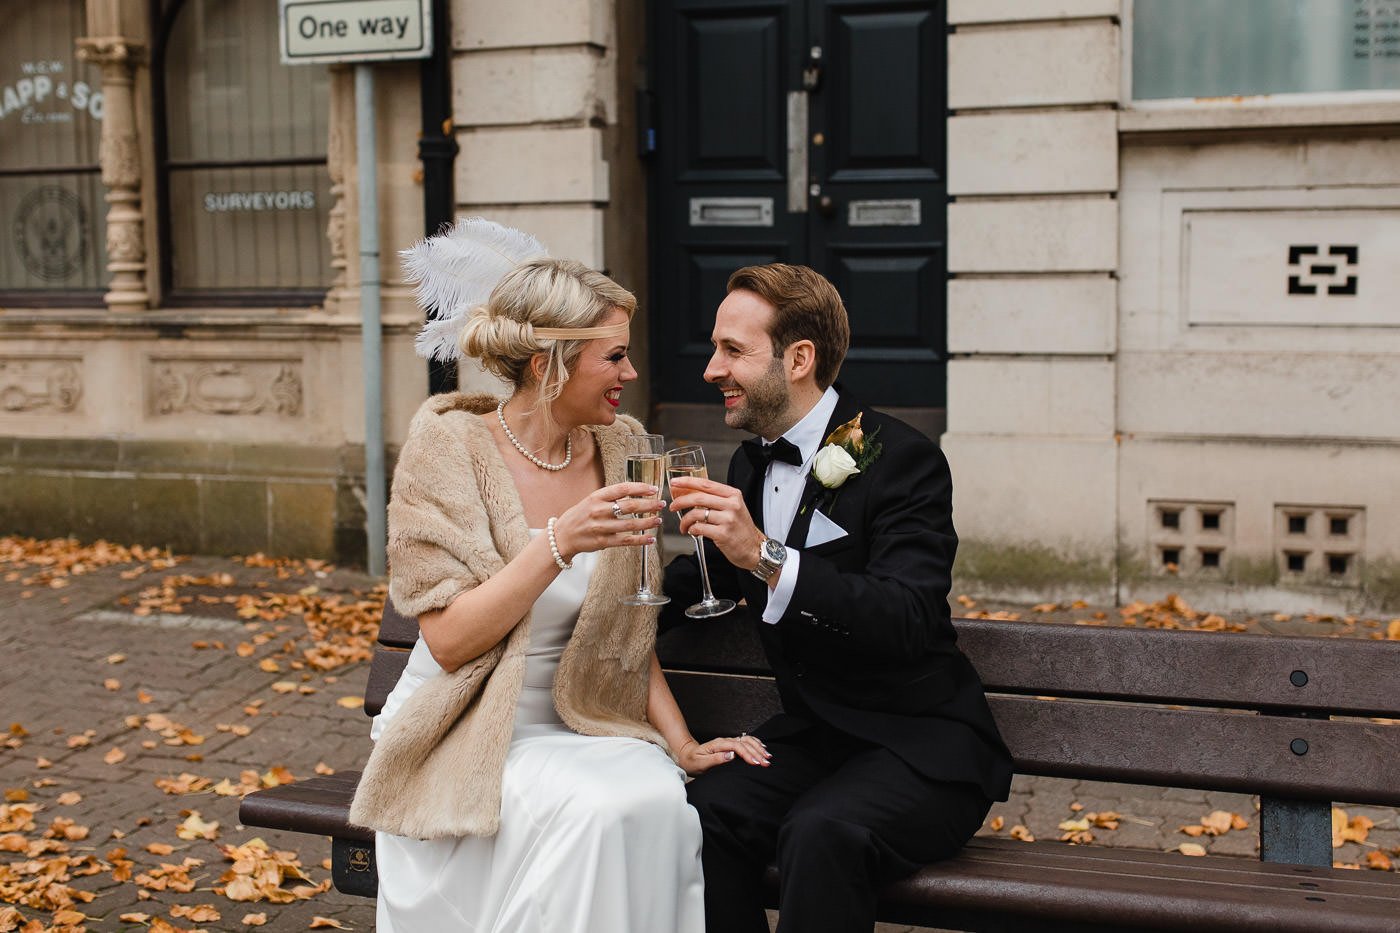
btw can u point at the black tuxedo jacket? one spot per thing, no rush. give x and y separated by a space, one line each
866 645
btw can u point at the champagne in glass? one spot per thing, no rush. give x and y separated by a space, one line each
645 462
690 461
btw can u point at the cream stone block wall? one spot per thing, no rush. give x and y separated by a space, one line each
515 86
1018 396
535 165
962 12
571 231
1033 235
483 24
1033 153
1297 394
1056 498
1032 314
1036 65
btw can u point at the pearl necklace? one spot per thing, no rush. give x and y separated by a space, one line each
552 467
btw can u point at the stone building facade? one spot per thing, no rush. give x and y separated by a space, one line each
1164 345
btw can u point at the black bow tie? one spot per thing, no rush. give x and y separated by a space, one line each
781 450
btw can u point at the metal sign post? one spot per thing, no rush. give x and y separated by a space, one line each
362 32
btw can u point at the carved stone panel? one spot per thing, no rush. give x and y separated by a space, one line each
51 384
265 387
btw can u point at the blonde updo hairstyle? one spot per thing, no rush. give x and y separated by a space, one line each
541 293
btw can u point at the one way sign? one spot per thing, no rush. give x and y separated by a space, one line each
355 30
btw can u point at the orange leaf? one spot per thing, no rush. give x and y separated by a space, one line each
1020 832
323 923
1378 860
997 823
159 848
115 756
254 920
350 702
1191 848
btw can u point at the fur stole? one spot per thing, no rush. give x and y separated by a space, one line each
455 518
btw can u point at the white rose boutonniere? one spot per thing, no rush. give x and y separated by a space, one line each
833 466
847 452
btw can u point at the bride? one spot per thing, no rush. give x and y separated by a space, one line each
528 772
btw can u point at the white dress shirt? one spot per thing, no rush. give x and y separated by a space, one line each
782 493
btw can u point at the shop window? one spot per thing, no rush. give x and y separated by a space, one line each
52 213
1225 48
242 154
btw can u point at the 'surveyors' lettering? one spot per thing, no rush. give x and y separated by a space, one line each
218 202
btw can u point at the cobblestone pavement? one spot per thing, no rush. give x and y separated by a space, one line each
79 662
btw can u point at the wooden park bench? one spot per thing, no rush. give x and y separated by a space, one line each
1287 718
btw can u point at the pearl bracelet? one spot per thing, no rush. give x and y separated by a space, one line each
554 546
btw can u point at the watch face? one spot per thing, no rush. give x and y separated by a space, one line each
774 551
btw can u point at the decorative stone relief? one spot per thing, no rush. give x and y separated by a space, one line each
224 387
120 155
35 384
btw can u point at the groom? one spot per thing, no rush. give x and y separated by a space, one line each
885 756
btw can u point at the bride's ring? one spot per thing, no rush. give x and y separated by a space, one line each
617 510
707 516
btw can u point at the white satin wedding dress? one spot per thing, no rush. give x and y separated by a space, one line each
596 835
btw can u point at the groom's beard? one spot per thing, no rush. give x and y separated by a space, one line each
765 404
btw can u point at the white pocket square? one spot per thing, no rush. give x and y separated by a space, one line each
823 530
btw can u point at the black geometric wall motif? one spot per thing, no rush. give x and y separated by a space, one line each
1340 277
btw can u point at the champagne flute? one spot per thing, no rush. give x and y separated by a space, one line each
645 462
690 461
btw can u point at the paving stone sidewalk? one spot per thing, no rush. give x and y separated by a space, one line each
63 679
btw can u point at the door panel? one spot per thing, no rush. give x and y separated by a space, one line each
868 206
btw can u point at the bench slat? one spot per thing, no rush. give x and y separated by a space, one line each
1343 676
1052 886
396 629
1217 669
1240 752
319 805
384 672
1042 886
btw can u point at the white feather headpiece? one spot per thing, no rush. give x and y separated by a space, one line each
455 272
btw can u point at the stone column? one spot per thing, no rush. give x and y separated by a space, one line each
340 158
121 170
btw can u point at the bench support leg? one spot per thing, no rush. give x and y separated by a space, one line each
353 867
1295 831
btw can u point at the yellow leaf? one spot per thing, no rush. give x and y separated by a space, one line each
134 917
323 768
1075 826
269 665
997 823
350 702
1191 848
196 828
199 913
1217 822
1020 832
115 658
1193 830
159 848
254 920
1392 631
115 756
111 683
324 923
70 798
284 686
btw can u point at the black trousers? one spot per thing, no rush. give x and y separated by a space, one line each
841 816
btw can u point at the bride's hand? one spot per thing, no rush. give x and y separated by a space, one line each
604 519
696 758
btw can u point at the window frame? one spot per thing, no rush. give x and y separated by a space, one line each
1365 106
162 24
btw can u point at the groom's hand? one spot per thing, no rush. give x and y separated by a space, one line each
716 511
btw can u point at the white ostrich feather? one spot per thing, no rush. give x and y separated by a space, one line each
455 271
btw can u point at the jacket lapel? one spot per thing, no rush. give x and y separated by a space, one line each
846 409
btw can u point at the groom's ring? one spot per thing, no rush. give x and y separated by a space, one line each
707 516
617 510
